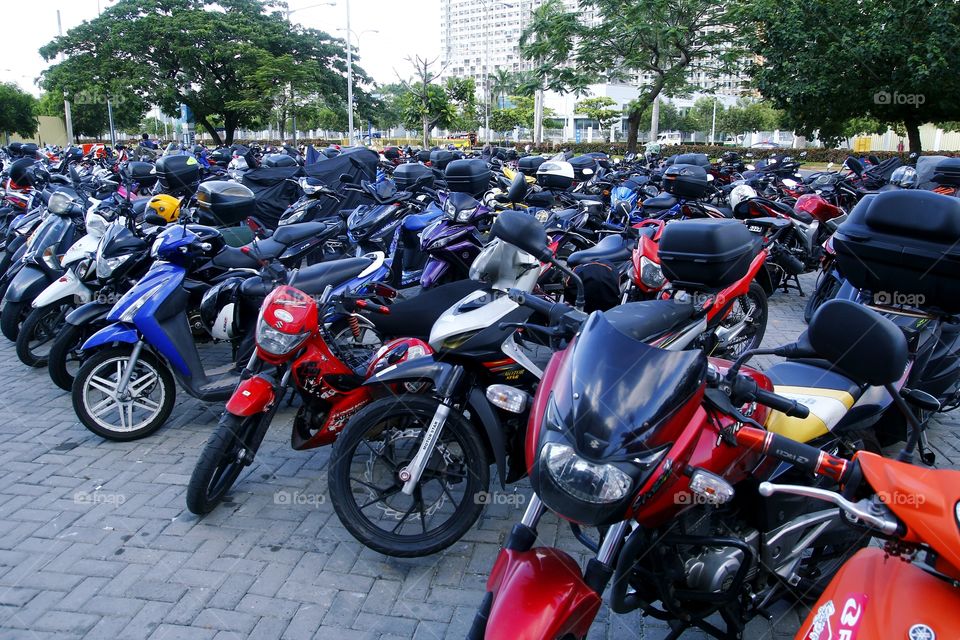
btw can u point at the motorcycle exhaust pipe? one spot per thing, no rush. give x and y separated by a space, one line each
788 262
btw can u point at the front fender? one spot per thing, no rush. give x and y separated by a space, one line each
116 332
533 595
88 312
440 374
27 284
251 396
66 286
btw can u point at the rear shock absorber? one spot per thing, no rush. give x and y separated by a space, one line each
354 323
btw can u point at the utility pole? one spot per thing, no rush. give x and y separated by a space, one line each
113 131
713 127
67 119
349 80
655 119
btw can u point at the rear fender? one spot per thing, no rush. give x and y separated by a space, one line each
538 594
116 332
253 395
88 312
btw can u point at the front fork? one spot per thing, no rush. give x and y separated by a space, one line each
446 386
125 379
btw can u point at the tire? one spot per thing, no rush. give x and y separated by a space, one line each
826 290
458 442
65 354
38 332
105 365
220 463
755 302
11 317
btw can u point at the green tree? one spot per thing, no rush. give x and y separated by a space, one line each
660 41
700 115
462 93
750 115
504 120
17 111
502 83
895 63
524 108
228 60
425 105
88 102
599 109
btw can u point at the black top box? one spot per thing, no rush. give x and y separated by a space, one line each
947 173
440 158
225 202
580 163
468 176
903 243
707 255
686 181
142 173
696 159
405 175
279 160
528 165
178 172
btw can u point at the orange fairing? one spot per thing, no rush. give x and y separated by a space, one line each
876 596
923 499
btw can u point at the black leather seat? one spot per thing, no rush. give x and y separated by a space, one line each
613 248
313 279
644 320
233 258
293 233
415 317
726 211
659 202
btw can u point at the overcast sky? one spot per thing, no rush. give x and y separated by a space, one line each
406 27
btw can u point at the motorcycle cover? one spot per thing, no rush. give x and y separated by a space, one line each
272 191
359 162
926 166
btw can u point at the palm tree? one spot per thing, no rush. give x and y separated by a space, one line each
502 83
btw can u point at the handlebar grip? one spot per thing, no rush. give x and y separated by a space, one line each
376 308
800 455
525 299
779 403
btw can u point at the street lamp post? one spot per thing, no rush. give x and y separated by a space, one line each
350 32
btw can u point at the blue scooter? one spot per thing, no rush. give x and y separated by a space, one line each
125 389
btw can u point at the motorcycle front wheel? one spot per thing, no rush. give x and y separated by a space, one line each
221 461
38 332
12 317
65 354
365 488
137 412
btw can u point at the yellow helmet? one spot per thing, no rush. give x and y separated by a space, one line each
165 206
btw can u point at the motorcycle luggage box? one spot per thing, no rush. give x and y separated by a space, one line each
580 163
468 176
528 165
226 202
405 175
696 159
686 181
178 172
440 158
705 255
142 173
947 173
903 242
279 160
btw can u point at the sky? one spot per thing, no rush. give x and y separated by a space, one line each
404 28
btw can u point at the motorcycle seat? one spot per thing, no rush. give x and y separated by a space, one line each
644 320
659 202
293 233
833 395
415 317
418 221
613 248
802 216
726 211
315 278
233 258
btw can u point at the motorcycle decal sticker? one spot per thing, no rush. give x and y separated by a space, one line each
846 625
821 621
921 632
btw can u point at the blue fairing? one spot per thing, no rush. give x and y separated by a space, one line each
419 221
114 333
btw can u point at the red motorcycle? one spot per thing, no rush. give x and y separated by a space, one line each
648 445
327 364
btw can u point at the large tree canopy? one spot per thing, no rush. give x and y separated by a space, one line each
827 62
230 61
654 43
16 111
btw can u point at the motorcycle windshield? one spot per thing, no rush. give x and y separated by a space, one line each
622 391
366 217
49 233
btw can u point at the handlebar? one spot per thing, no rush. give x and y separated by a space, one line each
803 456
369 306
869 512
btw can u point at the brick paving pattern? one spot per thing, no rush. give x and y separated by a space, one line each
96 541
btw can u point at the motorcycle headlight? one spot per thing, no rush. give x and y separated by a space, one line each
582 479
85 268
651 274
276 342
106 266
465 214
50 257
449 210
59 203
542 215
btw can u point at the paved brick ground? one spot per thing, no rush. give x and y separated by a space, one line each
95 540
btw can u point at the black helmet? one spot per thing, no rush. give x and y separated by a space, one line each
218 308
730 157
14 149
21 172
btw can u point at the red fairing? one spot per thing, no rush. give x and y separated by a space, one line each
539 594
532 443
817 207
738 288
415 348
251 396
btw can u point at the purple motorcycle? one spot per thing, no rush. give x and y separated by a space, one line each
452 242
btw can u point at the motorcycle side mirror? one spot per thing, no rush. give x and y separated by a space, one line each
154 219
523 231
346 178
829 166
803 154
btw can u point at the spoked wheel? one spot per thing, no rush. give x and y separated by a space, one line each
139 410
366 489
745 325
225 455
38 332
65 357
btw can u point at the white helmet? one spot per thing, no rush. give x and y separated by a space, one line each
741 193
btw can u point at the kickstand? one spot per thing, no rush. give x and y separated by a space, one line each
792 282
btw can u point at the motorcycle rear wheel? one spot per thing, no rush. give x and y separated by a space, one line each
39 330
221 462
826 290
368 503
65 355
12 317
754 303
